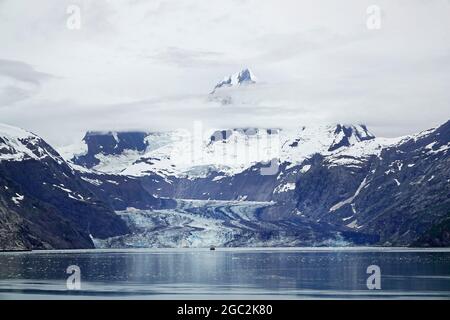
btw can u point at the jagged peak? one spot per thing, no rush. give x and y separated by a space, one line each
346 135
243 77
17 144
360 131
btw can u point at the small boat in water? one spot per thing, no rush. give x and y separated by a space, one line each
212 248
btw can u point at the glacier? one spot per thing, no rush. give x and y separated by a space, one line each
205 223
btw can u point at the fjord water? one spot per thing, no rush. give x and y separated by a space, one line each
291 273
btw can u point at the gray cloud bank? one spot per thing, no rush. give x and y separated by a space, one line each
18 81
150 64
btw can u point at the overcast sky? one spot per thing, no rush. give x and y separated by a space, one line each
151 64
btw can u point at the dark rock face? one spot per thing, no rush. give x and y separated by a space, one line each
409 191
437 236
323 186
43 204
247 185
121 192
110 143
345 133
36 225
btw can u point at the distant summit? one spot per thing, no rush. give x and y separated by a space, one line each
244 77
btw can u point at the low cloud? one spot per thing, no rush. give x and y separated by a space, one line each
19 81
188 58
22 71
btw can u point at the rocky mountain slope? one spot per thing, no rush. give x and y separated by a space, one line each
43 201
400 194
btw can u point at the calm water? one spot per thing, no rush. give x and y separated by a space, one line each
226 274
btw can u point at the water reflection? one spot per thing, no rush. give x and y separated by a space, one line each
225 274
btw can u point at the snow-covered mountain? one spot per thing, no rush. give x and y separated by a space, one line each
340 180
18 145
402 194
338 175
330 184
243 77
43 201
226 151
